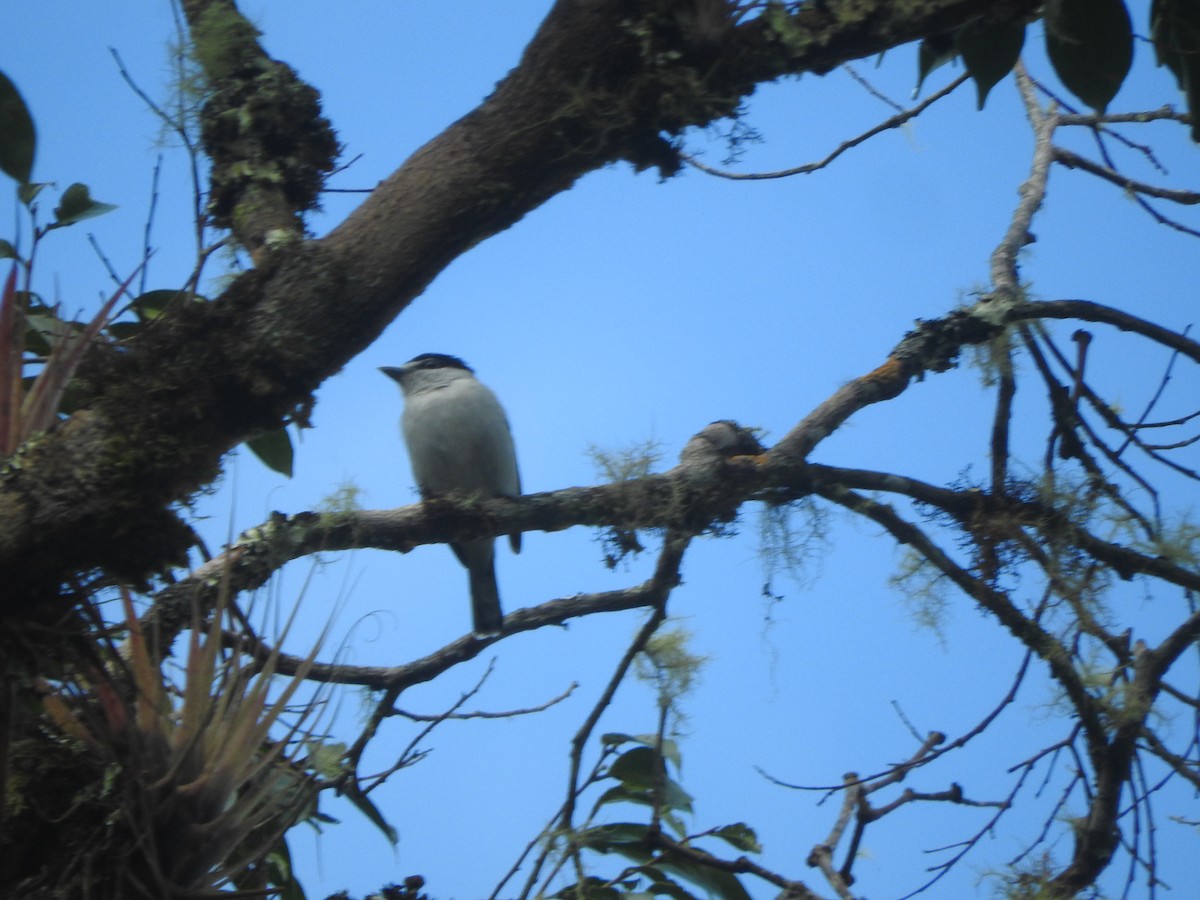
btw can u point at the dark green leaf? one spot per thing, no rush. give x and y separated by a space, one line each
673 796
1175 30
675 824
368 809
43 332
621 837
7 250
933 53
151 304
718 883
123 331
670 748
591 889
615 739
275 450
36 343
18 139
629 840
76 205
1090 43
989 51
639 767
623 793
666 888
642 771
740 836
281 873
28 192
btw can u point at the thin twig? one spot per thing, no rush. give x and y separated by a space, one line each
808 168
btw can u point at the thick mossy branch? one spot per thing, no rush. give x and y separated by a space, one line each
262 129
93 488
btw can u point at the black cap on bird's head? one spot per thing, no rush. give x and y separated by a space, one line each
436 361
425 361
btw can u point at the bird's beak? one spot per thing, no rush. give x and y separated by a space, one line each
392 372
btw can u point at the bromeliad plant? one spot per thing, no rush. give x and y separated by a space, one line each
201 779
31 334
31 405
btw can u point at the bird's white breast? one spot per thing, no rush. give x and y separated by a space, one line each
459 440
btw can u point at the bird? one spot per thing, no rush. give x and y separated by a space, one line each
459 440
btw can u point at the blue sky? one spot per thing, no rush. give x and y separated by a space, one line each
623 310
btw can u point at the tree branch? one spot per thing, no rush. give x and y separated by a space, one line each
587 92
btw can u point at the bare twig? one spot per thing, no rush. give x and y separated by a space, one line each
485 714
1073 160
808 168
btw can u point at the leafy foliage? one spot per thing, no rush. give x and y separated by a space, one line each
661 863
1089 42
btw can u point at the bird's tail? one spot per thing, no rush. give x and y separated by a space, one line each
485 601
479 559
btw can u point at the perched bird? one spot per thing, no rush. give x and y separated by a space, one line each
459 440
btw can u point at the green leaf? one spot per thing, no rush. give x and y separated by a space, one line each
28 191
933 53
626 838
639 767
629 840
670 748
664 888
327 759
76 205
18 138
675 824
740 836
718 883
151 304
368 809
280 872
642 771
44 332
275 450
1090 43
673 796
615 739
123 331
989 51
1175 30
592 888
622 794
7 250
